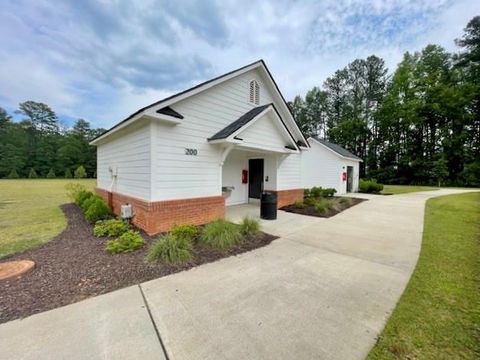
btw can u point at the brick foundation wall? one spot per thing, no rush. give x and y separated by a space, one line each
287 197
159 216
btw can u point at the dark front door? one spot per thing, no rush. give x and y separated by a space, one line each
255 178
349 178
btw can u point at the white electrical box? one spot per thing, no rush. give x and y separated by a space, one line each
126 211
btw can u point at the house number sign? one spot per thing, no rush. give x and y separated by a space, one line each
189 151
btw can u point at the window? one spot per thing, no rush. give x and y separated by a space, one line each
254 92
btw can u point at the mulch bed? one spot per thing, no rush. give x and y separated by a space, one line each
74 266
311 211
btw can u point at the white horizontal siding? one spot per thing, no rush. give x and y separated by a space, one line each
265 134
177 175
322 167
289 172
128 154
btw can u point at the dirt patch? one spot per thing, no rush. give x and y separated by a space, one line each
337 206
75 266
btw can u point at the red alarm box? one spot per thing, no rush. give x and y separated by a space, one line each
344 176
244 176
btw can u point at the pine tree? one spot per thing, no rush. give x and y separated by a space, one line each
51 174
68 174
32 174
80 173
13 174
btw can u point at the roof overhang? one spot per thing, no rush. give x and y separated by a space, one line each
234 138
334 152
151 110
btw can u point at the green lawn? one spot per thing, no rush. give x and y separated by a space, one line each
403 189
438 316
30 213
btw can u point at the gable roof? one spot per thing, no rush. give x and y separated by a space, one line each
239 123
337 149
197 88
167 110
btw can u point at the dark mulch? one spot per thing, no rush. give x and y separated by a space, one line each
75 266
337 207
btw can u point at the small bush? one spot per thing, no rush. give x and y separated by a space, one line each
322 206
80 173
89 201
128 242
345 201
81 196
316 191
220 234
32 174
310 201
299 204
112 228
98 210
249 226
306 193
370 186
73 189
185 232
68 174
171 249
328 192
13 174
51 174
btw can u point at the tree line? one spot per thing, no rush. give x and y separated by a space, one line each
419 125
38 146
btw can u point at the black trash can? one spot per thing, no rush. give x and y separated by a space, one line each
268 206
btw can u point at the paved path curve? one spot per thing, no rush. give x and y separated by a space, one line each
323 291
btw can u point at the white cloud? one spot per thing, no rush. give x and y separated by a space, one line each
104 60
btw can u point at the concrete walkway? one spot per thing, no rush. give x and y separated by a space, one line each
322 291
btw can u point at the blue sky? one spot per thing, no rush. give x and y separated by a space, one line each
102 60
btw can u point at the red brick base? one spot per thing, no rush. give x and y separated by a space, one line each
287 197
159 216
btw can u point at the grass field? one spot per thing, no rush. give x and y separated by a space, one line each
403 189
438 316
30 213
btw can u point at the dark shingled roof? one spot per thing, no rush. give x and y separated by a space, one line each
240 122
167 110
338 149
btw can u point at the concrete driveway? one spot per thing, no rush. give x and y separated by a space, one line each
322 291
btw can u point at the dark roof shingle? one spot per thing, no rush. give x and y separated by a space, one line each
338 149
240 122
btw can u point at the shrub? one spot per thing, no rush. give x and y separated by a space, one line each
128 242
328 192
81 195
345 201
89 201
370 186
220 234
310 201
32 174
13 174
51 174
73 189
171 249
300 204
185 232
112 228
306 193
68 174
322 206
80 173
98 210
316 191
249 226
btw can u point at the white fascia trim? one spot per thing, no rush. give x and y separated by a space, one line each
334 152
256 118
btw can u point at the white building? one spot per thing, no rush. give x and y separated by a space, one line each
186 157
330 166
